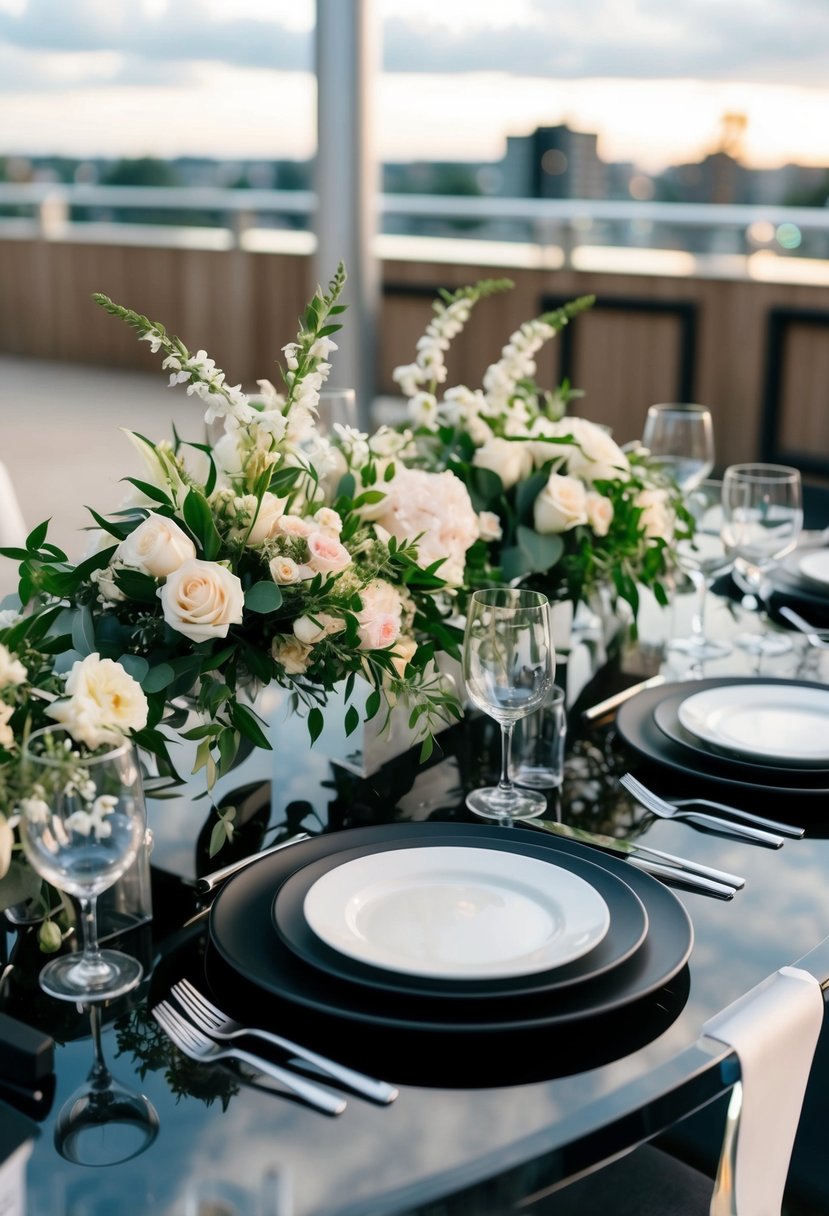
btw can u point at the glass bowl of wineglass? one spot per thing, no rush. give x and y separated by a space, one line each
81 827
703 557
762 520
508 667
680 439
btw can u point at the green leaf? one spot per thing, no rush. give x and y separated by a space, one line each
199 519
540 552
246 722
526 494
37 536
159 677
283 480
263 597
347 487
373 702
149 490
134 665
485 487
83 631
352 720
315 723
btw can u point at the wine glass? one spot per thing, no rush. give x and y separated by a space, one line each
81 828
508 667
703 557
680 439
762 519
103 1122
336 406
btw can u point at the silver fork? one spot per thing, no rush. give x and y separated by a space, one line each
666 810
214 1022
785 829
198 1046
817 637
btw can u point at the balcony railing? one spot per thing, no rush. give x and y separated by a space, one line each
549 232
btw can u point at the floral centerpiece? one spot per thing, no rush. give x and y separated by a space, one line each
560 503
261 553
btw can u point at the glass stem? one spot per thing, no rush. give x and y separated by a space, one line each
99 1072
89 932
698 618
505 784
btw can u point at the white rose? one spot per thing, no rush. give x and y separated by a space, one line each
291 654
380 617
598 457
12 671
284 570
227 454
6 843
103 702
158 546
489 526
511 461
599 513
267 520
6 732
202 600
657 518
310 630
108 589
561 505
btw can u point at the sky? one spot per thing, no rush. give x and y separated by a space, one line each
233 78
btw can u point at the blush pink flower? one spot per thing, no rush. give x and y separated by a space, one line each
326 554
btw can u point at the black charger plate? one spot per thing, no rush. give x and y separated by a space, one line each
666 717
636 726
241 934
628 927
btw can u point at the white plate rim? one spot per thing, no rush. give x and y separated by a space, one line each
693 709
586 923
808 559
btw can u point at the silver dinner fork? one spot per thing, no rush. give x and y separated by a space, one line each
666 810
189 1040
209 1018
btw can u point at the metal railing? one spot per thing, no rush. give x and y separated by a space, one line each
55 211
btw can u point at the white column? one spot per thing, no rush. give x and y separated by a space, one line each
347 183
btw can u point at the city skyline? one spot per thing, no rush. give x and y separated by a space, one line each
107 78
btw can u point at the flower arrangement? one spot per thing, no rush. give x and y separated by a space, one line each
559 502
265 552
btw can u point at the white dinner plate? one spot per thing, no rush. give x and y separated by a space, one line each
814 567
456 911
788 723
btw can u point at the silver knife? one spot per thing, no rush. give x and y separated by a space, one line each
208 882
603 708
683 878
641 852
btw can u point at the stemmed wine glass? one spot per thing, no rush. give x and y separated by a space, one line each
762 519
508 666
81 828
103 1122
680 439
703 557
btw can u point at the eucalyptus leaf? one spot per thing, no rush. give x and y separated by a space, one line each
263 597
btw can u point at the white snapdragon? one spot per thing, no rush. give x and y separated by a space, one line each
517 362
12 671
423 411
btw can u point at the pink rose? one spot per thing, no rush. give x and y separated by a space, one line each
326 554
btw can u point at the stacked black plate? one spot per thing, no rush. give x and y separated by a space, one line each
791 586
650 724
263 955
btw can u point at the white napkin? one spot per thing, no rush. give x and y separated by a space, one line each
774 1030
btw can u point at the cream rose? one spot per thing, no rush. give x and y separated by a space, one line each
291 654
404 651
103 702
12 671
326 555
6 844
285 571
599 513
380 617
294 525
158 546
329 520
511 461
561 505
657 517
202 600
310 630
268 517
598 457
6 732
489 526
